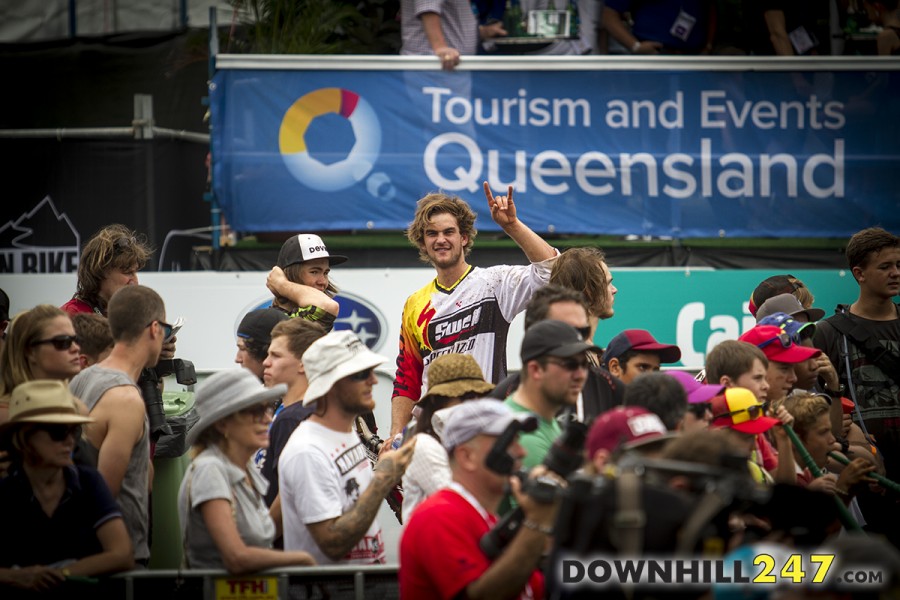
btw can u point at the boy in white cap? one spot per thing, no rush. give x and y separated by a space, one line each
330 494
300 281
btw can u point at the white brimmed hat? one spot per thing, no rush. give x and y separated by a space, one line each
225 393
333 357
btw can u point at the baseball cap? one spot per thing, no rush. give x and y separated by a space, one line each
257 324
787 303
488 416
794 328
333 357
303 247
778 345
740 409
640 340
696 391
553 338
625 428
772 286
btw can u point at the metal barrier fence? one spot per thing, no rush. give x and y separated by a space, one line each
296 583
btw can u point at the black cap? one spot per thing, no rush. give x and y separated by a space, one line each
257 324
553 338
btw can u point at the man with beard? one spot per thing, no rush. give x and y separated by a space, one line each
464 309
330 493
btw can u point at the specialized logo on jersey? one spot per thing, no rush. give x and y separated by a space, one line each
295 148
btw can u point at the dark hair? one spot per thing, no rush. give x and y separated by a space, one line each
131 309
433 403
863 244
93 333
435 204
113 247
539 306
659 393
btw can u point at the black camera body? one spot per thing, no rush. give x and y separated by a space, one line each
563 458
148 383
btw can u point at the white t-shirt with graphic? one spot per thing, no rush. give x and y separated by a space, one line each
321 475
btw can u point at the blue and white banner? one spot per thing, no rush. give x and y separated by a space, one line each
665 153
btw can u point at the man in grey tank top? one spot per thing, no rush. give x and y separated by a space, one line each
119 437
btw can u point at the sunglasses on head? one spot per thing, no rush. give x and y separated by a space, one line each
60 342
362 375
754 411
570 363
783 337
124 243
167 329
59 432
259 412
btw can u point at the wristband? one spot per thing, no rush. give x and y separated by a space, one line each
529 524
636 46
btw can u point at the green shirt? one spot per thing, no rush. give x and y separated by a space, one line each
536 444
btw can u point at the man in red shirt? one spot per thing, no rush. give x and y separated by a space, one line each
440 555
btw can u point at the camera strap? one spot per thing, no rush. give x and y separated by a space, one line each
630 519
882 357
711 504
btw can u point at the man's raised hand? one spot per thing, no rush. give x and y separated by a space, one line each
503 209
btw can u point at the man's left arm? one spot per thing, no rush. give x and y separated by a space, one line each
503 212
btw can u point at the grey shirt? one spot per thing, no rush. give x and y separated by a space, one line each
212 476
134 494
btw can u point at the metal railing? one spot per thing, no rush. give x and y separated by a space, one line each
331 581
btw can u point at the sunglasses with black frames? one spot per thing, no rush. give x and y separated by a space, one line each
362 375
59 432
754 411
570 363
60 342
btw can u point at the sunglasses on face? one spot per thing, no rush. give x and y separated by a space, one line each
60 342
571 363
259 412
783 337
753 411
167 329
59 432
361 376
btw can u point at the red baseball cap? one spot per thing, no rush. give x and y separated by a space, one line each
778 345
640 340
625 427
740 409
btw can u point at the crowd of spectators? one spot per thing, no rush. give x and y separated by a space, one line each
451 29
786 438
